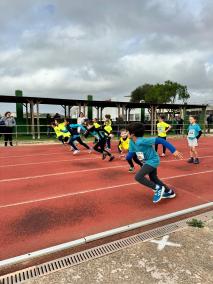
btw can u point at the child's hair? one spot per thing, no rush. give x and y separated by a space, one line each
136 128
6 113
89 122
162 117
67 119
123 130
194 116
108 116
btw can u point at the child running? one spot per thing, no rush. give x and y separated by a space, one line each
162 128
123 148
108 130
101 137
194 133
75 135
143 147
57 127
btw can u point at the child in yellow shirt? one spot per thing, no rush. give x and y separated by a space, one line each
162 128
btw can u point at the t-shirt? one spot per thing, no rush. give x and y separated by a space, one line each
143 147
58 130
124 144
161 127
193 131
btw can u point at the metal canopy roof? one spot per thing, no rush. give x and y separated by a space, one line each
74 102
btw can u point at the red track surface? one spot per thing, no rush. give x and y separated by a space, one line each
48 196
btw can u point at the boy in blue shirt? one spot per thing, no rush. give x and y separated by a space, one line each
75 136
143 147
194 133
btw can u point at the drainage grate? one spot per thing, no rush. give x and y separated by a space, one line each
93 253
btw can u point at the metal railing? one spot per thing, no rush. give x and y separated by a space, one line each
46 132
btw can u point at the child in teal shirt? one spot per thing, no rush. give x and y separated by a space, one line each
143 147
194 133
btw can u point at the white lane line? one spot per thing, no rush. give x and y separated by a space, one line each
59 174
82 159
94 190
33 155
79 171
49 162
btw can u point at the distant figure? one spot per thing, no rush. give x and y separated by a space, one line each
162 128
56 116
7 122
49 121
179 125
209 122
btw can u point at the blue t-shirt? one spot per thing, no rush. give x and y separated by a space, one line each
143 147
193 131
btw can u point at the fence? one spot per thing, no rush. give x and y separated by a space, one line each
45 132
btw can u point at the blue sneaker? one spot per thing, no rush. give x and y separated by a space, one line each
159 192
169 194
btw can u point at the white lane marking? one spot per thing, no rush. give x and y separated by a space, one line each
49 162
73 172
164 242
33 155
82 159
59 174
91 190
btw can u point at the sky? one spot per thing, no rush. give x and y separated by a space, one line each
69 48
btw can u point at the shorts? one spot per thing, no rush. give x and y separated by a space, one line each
192 142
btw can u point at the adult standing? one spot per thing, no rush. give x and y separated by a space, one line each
81 120
9 122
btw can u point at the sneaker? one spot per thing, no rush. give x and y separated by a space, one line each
76 152
111 158
190 160
104 156
90 151
158 194
196 161
163 155
169 194
131 170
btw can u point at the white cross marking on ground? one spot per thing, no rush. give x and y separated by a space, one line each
164 242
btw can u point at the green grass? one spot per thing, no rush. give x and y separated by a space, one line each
196 223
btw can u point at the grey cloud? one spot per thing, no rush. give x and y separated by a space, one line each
57 48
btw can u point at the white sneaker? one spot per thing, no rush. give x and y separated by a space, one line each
76 152
163 155
90 151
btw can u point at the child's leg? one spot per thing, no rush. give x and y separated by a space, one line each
108 142
164 148
82 143
142 179
194 151
60 138
154 177
72 144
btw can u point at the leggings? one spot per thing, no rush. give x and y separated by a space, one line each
108 142
8 135
153 178
100 147
78 139
132 156
164 148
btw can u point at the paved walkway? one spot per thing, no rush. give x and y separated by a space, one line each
183 257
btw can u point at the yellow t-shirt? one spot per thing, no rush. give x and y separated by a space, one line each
58 129
97 125
161 127
108 126
124 144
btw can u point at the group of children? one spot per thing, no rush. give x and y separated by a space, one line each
132 146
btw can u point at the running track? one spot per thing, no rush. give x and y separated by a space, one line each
48 196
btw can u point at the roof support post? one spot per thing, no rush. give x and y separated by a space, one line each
38 120
203 120
32 115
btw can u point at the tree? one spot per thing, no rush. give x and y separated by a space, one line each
168 92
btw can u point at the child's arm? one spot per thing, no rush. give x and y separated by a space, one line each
199 134
169 146
120 147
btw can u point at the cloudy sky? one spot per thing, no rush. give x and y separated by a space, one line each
69 48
